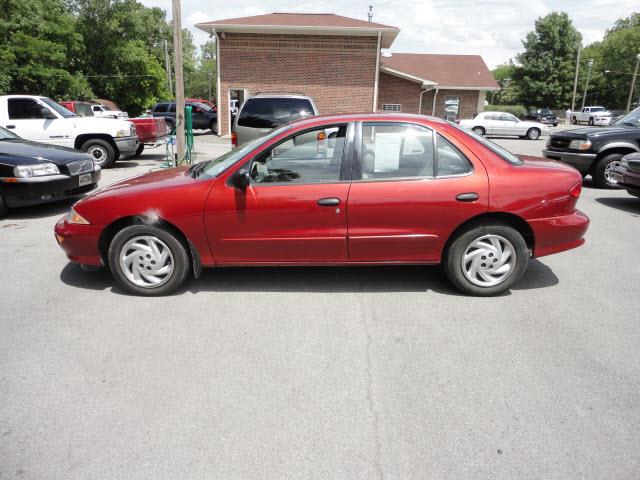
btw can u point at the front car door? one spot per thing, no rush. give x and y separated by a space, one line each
412 186
293 211
32 120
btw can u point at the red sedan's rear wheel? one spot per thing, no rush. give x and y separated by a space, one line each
148 260
486 259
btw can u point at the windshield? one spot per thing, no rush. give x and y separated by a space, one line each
213 168
494 147
58 108
201 106
7 135
104 107
632 118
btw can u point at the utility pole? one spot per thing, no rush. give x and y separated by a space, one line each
177 58
586 85
167 67
370 14
209 81
633 83
575 81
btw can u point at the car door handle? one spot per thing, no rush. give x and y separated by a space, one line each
467 197
329 202
11 126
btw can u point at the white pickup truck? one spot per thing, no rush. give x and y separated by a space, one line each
103 111
42 120
592 116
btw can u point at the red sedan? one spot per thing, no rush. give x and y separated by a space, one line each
336 190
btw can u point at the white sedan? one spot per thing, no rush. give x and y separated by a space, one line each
502 123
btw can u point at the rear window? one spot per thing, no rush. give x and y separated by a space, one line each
503 153
273 112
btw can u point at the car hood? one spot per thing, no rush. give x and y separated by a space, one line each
25 152
101 124
594 132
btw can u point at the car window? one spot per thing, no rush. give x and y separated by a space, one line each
503 153
273 112
491 116
24 108
450 160
508 118
172 107
397 150
96 108
314 156
83 110
160 108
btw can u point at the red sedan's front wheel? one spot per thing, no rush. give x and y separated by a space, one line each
487 259
148 260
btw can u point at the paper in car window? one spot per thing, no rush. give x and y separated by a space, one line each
387 151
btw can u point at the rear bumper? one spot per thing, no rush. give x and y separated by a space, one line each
557 234
127 145
79 242
580 161
628 179
23 192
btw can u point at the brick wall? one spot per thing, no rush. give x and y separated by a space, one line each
392 89
337 72
468 102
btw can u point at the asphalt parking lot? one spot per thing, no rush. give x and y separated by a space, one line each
322 373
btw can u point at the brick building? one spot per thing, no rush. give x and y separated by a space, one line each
336 60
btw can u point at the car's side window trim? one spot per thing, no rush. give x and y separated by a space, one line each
345 152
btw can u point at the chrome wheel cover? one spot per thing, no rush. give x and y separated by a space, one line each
608 172
488 260
98 153
534 134
146 261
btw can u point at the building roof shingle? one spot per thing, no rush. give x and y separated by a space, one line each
458 71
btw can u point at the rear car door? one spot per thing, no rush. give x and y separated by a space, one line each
293 211
411 188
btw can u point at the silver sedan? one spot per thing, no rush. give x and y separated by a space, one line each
502 123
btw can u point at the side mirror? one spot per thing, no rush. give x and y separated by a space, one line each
242 179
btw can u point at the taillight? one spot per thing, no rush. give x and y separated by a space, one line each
234 140
576 190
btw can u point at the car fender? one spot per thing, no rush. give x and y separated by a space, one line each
612 145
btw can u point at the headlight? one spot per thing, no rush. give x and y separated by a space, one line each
580 145
123 133
548 142
40 170
75 218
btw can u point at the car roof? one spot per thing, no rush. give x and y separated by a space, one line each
366 117
278 95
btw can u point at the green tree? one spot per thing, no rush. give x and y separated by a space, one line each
546 67
614 62
509 93
205 71
40 50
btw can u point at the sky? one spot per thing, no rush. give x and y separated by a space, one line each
491 28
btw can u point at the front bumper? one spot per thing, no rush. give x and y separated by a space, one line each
79 242
557 234
580 161
127 145
22 192
628 179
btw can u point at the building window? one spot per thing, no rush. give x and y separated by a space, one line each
391 107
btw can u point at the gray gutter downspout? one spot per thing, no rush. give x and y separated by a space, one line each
376 80
218 93
433 107
423 90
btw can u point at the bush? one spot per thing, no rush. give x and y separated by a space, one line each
517 110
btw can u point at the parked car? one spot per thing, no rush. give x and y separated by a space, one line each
627 174
504 124
597 151
80 108
265 111
202 115
32 173
202 100
151 131
386 189
542 115
103 111
592 116
43 120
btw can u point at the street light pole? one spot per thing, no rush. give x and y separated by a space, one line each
633 83
177 57
575 81
586 85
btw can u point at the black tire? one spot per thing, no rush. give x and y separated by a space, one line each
600 170
181 265
479 131
591 121
574 120
139 151
213 128
533 133
453 265
555 124
3 207
102 152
